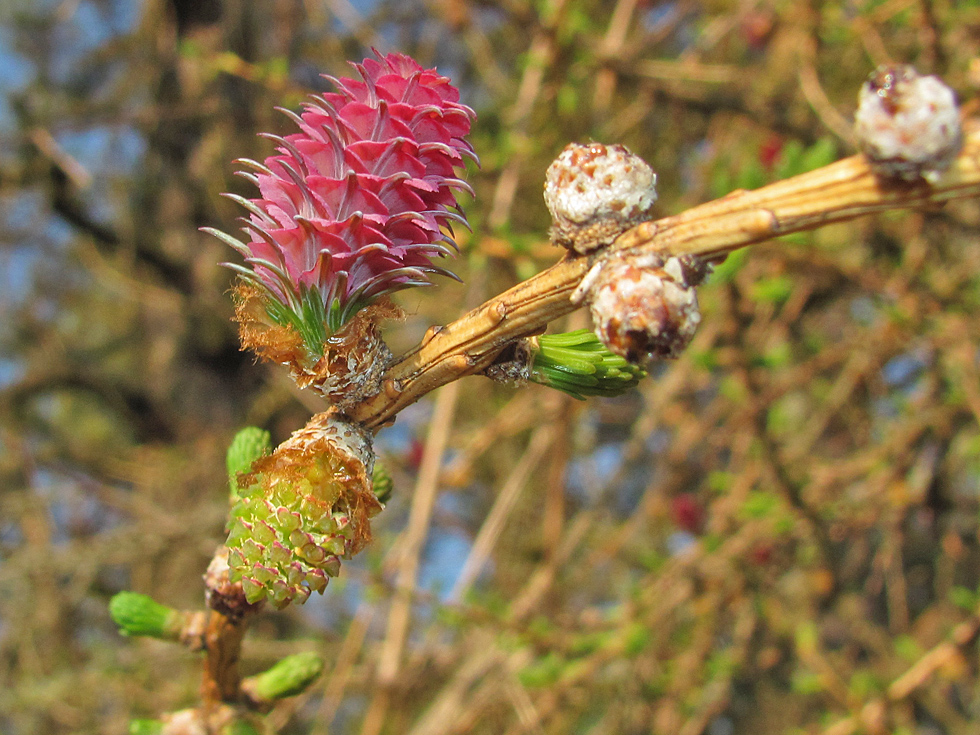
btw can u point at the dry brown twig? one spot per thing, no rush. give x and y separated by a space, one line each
841 191
872 716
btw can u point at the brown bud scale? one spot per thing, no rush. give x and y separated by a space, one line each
354 358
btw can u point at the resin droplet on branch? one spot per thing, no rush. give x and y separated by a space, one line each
908 125
595 193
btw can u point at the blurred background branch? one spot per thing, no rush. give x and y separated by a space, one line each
766 535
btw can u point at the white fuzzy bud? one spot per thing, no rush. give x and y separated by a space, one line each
908 125
644 307
596 192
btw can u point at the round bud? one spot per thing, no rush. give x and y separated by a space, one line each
596 192
908 125
644 307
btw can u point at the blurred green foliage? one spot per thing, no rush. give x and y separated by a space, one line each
775 533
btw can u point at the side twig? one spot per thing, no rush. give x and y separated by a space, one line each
841 191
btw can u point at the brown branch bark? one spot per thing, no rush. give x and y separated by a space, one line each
841 191
223 644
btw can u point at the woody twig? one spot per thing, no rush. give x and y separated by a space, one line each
842 191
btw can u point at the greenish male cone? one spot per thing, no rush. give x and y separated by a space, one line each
137 614
301 510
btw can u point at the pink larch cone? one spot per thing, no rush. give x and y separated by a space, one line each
353 207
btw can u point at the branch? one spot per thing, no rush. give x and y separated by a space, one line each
841 191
